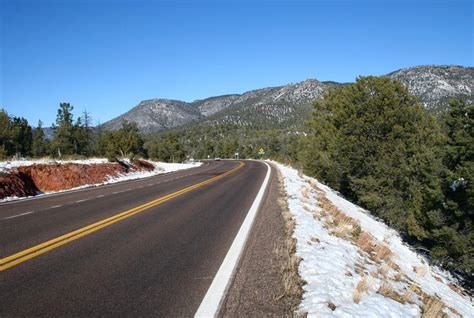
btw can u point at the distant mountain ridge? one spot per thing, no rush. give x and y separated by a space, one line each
435 85
289 106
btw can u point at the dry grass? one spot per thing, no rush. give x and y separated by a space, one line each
292 282
382 252
387 290
342 229
305 193
377 251
455 288
359 268
432 307
362 287
392 265
347 228
365 242
398 277
324 202
383 270
337 222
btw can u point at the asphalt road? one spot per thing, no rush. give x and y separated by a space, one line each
156 260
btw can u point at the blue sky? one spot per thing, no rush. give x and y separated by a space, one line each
105 56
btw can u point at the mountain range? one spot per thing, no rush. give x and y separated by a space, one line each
289 106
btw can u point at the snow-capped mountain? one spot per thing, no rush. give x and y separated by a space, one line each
290 105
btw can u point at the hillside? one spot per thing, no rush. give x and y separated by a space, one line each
156 115
289 106
353 265
435 85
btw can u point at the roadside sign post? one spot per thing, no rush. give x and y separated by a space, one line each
261 152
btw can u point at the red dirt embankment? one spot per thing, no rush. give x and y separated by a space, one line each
29 180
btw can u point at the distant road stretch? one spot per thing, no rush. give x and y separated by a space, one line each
142 248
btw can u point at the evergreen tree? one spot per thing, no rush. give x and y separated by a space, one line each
123 143
373 142
39 145
63 141
21 136
455 239
87 134
5 135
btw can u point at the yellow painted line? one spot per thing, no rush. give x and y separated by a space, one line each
42 248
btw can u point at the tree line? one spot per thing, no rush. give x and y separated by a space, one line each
71 138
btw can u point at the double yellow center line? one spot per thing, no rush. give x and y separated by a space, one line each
42 248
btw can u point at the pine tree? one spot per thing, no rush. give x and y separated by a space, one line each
455 239
87 146
123 143
39 145
373 142
21 136
5 135
63 141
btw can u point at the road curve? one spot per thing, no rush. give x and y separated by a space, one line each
158 261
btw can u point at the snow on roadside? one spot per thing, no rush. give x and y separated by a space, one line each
356 266
160 168
7 165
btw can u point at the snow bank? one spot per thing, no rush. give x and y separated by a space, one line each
160 167
7 165
344 281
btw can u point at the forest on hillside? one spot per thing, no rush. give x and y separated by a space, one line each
371 140
374 143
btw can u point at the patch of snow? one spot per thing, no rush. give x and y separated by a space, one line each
329 263
7 165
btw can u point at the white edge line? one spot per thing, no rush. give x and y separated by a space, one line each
211 302
17 215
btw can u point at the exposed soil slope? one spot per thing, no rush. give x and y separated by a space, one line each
29 180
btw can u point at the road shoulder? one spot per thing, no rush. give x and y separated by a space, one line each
266 282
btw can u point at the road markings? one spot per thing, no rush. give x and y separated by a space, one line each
17 215
42 248
212 301
79 201
56 206
100 196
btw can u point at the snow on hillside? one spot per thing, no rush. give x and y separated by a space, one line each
356 266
